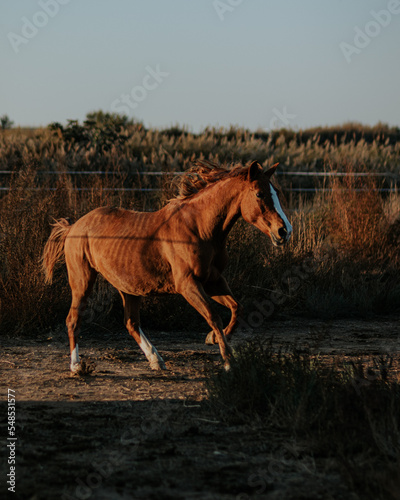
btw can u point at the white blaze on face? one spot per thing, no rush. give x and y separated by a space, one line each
156 361
75 359
281 213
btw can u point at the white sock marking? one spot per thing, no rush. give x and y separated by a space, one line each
149 350
75 359
279 210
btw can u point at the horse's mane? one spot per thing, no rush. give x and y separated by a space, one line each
202 174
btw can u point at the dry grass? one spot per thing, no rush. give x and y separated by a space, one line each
343 258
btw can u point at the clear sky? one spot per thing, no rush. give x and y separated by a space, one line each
252 63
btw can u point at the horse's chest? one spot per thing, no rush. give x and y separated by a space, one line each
205 263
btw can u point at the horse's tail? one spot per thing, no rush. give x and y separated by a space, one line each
54 248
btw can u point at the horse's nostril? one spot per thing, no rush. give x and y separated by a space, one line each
282 232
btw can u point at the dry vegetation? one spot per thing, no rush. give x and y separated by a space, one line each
343 258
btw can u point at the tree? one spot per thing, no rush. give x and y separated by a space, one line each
99 118
5 122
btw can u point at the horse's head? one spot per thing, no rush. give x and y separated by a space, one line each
261 206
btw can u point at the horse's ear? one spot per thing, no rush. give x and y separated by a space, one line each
270 172
255 170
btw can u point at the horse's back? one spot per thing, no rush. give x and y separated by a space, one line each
123 246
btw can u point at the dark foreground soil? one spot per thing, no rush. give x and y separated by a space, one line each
127 432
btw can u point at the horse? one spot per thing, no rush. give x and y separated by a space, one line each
179 249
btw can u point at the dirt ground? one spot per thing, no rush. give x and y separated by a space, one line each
127 432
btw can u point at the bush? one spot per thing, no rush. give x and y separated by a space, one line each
101 135
5 122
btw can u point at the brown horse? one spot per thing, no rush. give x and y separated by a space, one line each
178 249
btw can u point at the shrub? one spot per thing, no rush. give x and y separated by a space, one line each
5 122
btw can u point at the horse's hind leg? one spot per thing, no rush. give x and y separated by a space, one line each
81 280
132 323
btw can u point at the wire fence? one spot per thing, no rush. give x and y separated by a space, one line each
391 178
295 173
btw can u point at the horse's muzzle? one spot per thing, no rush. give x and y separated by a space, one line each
282 237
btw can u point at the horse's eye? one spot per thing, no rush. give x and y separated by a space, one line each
259 195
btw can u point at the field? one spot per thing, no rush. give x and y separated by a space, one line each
325 311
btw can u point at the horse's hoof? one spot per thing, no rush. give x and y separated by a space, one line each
227 366
158 365
85 367
75 368
210 339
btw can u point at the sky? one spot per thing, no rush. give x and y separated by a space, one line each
258 64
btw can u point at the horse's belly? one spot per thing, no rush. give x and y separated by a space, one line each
143 283
135 270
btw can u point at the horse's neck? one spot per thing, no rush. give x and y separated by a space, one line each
217 209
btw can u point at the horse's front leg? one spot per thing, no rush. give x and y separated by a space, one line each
195 294
220 292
